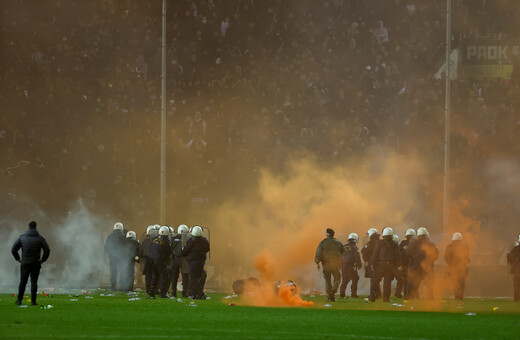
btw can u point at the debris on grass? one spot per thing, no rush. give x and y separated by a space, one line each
73 300
471 313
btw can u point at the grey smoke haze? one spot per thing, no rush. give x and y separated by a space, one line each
77 256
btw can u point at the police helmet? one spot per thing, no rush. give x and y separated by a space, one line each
157 227
150 228
196 231
395 238
172 231
422 231
118 226
410 232
183 229
388 231
353 236
518 238
131 234
456 237
372 231
164 231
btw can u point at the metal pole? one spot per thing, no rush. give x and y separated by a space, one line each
163 119
447 114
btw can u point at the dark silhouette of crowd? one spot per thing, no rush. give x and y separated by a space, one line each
249 83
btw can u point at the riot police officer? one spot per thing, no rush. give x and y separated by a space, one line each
402 277
160 256
513 258
457 259
329 254
366 252
114 248
177 244
385 261
196 248
144 254
350 264
131 255
422 254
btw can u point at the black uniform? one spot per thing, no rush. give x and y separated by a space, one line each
402 275
422 254
31 243
115 247
130 253
513 258
384 260
151 281
350 263
177 268
196 249
366 252
329 254
160 256
457 259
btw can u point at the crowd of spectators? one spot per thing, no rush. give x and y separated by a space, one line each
249 83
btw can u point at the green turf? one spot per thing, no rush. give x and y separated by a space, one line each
117 317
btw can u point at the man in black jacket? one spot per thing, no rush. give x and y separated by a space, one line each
196 249
31 243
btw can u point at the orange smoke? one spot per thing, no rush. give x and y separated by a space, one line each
267 293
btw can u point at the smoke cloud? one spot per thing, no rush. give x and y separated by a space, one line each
288 214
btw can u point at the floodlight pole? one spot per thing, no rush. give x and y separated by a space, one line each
163 119
447 118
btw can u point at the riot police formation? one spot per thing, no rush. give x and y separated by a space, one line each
350 264
179 262
385 262
131 255
513 259
115 249
368 250
402 277
422 254
329 254
196 249
457 259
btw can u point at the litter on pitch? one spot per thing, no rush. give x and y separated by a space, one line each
327 305
134 299
22 306
88 297
73 300
397 305
471 314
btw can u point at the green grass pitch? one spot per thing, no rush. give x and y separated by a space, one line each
115 317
